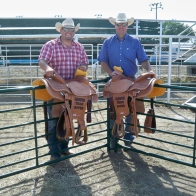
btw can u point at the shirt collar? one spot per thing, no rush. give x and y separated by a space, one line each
59 41
126 35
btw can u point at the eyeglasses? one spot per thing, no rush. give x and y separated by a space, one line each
68 29
121 24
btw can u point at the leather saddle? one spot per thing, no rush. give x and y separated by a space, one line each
123 92
77 95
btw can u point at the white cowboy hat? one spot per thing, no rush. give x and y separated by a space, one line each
69 23
121 18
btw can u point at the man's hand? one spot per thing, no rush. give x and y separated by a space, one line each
151 71
82 68
49 73
114 73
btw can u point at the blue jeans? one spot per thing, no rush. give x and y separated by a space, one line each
56 147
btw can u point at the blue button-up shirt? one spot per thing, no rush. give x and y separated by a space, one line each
123 53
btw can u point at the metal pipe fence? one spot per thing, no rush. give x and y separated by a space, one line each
23 146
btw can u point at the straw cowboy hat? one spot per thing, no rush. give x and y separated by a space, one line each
121 18
69 23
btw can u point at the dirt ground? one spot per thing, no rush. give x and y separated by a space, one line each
100 173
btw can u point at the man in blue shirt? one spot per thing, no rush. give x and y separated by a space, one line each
123 50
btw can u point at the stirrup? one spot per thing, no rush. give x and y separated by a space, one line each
78 136
118 130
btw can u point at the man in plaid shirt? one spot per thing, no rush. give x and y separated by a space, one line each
61 56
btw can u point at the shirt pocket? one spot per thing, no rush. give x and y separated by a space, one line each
130 54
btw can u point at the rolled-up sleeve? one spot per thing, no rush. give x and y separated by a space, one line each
46 52
141 55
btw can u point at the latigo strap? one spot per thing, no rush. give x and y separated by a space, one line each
150 120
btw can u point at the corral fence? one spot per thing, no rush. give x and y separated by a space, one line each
23 146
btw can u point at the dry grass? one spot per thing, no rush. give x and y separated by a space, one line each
100 173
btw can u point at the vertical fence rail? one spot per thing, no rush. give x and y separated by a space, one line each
194 151
35 127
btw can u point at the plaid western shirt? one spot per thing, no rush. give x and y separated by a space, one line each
62 59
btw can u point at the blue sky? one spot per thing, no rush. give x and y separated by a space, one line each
139 9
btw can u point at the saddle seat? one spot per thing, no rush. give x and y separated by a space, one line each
118 84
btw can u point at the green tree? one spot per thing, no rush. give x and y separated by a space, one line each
175 28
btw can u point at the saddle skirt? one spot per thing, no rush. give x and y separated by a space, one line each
143 85
120 88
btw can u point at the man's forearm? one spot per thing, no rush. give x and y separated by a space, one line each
146 65
43 65
106 68
49 71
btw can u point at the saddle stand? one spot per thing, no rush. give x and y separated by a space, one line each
121 88
77 95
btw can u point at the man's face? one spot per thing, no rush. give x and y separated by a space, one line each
121 29
67 33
